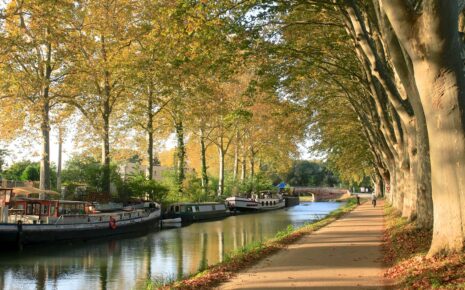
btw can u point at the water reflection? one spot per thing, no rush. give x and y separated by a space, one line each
126 264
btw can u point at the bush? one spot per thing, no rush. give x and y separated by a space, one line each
141 188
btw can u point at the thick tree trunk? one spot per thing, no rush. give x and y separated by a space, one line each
45 126
418 147
180 154
432 42
203 157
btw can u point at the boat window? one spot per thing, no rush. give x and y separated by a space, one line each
197 208
44 210
213 207
182 208
176 208
52 210
33 209
263 203
189 208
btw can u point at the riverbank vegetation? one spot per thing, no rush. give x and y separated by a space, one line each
249 255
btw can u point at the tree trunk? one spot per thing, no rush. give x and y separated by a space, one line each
252 168
150 134
106 180
180 154
432 42
236 158
243 168
45 126
203 157
60 151
221 154
45 160
106 150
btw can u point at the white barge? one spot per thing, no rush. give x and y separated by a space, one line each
257 202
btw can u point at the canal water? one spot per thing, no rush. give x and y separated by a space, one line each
167 254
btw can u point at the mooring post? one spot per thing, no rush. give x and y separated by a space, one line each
19 237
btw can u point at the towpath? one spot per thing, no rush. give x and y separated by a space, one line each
347 254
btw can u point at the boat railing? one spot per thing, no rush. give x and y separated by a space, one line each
60 218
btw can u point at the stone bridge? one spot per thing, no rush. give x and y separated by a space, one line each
322 193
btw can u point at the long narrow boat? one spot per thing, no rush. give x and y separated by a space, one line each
257 202
194 212
26 221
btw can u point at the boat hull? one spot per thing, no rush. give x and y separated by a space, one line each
14 235
291 200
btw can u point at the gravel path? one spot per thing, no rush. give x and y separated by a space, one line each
346 254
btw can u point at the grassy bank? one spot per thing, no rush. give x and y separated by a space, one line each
405 253
249 255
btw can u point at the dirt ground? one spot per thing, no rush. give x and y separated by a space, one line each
346 254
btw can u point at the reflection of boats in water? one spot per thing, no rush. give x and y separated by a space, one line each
26 219
194 212
257 202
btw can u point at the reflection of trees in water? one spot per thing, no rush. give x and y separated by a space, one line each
203 260
103 270
221 245
180 256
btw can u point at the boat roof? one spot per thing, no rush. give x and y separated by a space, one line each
21 198
196 203
31 190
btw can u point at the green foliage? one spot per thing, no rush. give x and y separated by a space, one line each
286 232
310 173
15 171
88 171
139 187
31 173
261 181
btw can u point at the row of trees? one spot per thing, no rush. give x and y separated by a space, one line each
384 85
141 70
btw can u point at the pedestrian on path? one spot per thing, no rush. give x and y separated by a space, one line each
373 199
358 199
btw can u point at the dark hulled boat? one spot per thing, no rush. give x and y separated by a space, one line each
27 220
193 212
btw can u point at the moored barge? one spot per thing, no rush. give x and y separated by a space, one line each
194 212
263 201
26 220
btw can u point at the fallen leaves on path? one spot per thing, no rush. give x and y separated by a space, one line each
405 248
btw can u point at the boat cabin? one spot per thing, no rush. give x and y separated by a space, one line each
5 195
49 208
195 207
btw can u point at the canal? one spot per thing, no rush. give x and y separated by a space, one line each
167 254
